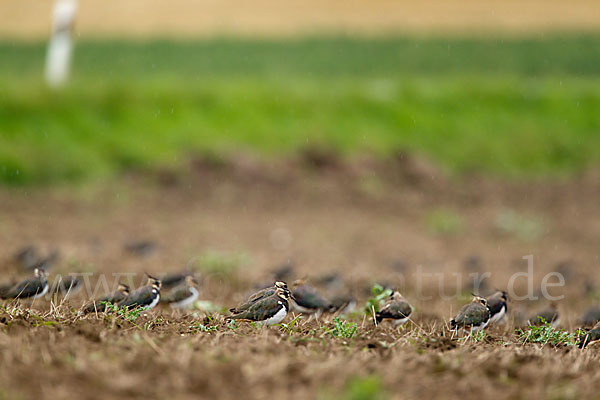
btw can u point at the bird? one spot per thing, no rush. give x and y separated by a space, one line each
182 296
67 286
33 287
549 315
592 336
146 297
307 299
497 303
261 294
269 310
115 297
396 308
590 317
475 315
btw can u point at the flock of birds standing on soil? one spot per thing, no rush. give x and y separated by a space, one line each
269 305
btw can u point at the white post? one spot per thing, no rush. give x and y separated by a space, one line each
58 58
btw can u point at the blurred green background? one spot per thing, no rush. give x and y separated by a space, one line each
511 106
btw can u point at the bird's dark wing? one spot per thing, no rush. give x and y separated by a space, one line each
590 337
140 298
27 288
100 304
395 310
459 320
262 309
95 306
591 317
309 297
176 295
261 294
495 304
173 280
475 315
66 285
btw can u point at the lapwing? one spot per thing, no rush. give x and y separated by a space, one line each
549 315
34 287
590 317
146 297
67 286
261 294
182 296
474 316
115 297
498 305
396 308
269 310
307 299
591 337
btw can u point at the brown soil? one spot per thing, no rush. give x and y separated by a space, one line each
31 18
367 220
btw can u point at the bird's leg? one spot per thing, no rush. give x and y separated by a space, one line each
318 314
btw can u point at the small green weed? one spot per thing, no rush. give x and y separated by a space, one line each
289 328
126 313
477 337
199 327
341 328
378 297
232 325
546 334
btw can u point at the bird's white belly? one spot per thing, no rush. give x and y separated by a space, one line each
188 301
480 327
301 309
400 322
42 293
154 303
305 310
349 308
277 318
499 315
